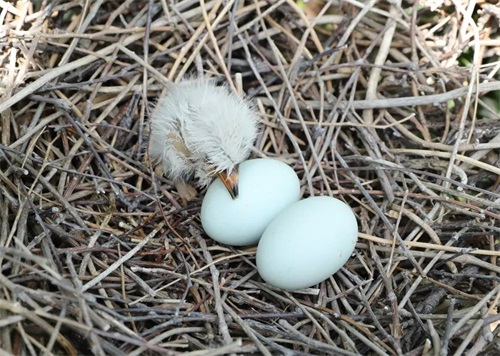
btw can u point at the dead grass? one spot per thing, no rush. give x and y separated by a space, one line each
392 108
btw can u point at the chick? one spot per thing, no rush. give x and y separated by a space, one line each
200 130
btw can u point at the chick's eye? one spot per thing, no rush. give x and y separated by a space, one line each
210 169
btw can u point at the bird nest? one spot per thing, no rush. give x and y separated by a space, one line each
392 107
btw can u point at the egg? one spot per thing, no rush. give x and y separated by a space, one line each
266 187
307 243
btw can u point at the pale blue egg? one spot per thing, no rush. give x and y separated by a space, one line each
307 243
266 187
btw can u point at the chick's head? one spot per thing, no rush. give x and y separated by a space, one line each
221 133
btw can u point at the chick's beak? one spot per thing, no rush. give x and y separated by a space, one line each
230 181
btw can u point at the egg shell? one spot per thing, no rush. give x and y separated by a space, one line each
307 243
266 187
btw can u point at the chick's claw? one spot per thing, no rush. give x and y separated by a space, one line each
186 191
